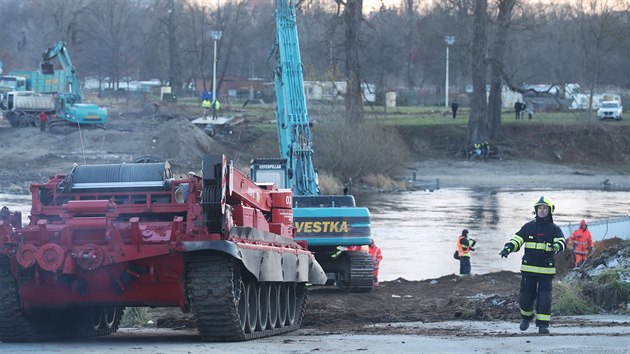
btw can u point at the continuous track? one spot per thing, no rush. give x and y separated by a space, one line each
361 270
230 305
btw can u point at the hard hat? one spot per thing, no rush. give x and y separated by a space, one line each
583 223
545 201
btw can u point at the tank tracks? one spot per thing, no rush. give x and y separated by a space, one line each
231 305
17 326
359 272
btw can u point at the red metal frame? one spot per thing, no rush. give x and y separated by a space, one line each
88 247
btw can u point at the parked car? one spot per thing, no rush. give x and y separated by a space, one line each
610 109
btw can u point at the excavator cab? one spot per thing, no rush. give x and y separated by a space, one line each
47 68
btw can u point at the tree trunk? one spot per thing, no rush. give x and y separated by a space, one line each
173 62
477 122
496 67
353 15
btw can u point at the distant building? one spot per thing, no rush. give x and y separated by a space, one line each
335 91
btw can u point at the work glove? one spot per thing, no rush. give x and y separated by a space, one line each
507 249
556 248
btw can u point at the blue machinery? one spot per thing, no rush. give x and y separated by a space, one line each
70 107
326 222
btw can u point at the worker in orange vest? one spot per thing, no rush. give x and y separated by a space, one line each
581 242
377 257
464 246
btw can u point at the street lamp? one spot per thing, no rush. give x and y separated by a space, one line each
449 41
216 35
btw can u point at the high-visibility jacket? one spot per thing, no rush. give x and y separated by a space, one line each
464 246
581 241
377 256
205 104
541 239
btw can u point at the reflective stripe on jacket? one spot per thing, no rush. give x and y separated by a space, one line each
538 238
581 241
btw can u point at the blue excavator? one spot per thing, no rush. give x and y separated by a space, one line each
70 108
329 224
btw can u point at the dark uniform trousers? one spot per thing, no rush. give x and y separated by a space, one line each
464 265
535 288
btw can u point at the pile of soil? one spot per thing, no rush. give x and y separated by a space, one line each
478 297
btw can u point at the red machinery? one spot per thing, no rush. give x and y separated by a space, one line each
108 236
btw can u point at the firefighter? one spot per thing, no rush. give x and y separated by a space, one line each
377 257
541 238
464 246
581 242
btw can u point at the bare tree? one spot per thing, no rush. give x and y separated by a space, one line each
353 16
505 8
601 27
112 39
477 121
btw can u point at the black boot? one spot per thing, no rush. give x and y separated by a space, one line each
524 324
543 329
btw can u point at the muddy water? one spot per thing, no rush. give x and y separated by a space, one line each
417 230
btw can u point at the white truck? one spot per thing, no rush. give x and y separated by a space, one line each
22 108
610 109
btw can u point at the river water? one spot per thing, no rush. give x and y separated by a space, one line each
417 230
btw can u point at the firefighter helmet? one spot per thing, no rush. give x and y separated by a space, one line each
545 201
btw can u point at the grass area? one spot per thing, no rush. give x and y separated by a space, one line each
425 116
419 116
568 299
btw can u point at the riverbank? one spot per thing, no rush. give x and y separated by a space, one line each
518 175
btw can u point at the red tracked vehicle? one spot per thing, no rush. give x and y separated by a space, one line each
104 237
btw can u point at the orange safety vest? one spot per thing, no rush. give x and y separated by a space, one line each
376 255
581 241
464 251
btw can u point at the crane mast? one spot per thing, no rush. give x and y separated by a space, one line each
332 226
294 132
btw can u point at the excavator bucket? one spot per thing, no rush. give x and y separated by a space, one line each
47 68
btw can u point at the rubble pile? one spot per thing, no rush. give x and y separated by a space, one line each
605 275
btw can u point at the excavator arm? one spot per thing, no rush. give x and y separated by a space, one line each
294 132
59 51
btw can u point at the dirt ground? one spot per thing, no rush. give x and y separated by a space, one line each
29 156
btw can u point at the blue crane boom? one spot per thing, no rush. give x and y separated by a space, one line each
334 228
294 131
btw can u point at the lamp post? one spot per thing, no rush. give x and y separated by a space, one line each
449 41
216 35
